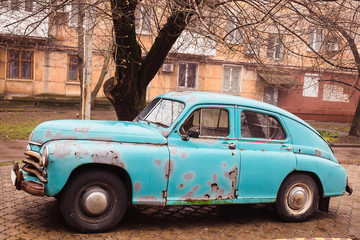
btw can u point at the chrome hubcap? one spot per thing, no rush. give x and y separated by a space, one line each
297 198
95 201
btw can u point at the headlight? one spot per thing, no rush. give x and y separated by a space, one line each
44 157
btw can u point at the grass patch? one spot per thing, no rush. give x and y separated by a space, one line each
18 125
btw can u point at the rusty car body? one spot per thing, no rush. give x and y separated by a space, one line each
184 148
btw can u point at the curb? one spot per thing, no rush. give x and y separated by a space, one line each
350 145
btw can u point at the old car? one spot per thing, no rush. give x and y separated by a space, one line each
184 148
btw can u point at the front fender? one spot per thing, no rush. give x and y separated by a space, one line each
146 164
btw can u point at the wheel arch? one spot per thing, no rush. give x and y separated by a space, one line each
122 173
314 176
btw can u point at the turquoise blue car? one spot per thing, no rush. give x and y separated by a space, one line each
184 148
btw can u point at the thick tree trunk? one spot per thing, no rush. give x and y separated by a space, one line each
127 89
355 125
127 104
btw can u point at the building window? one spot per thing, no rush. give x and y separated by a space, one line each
143 21
334 93
187 75
15 5
73 69
29 5
275 47
74 16
332 46
311 85
232 78
20 64
234 33
316 39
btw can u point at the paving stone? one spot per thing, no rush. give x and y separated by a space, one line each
23 216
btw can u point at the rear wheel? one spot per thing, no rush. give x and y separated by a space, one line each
94 201
298 198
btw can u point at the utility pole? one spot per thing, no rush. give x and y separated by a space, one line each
87 36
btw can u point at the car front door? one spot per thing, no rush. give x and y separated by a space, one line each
204 163
267 155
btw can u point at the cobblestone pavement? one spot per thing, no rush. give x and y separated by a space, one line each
23 216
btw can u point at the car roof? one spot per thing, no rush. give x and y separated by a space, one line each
197 97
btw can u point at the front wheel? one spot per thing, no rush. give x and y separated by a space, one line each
94 201
297 198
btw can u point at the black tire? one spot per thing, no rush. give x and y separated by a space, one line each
297 198
94 201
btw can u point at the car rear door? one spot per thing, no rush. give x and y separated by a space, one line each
266 153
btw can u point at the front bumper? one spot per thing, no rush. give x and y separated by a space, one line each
29 186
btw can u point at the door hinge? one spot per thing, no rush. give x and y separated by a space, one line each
164 194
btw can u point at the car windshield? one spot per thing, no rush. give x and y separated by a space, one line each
162 112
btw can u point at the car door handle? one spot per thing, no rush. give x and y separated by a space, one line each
286 148
231 146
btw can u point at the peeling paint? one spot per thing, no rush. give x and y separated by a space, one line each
189 176
169 168
157 162
173 150
184 154
82 129
214 177
137 187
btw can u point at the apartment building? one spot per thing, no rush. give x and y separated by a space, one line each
44 61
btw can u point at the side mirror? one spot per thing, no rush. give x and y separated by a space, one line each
194 133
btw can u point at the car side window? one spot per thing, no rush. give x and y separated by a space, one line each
259 125
208 122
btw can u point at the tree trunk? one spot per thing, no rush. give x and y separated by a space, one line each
103 73
127 90
128 105
355 125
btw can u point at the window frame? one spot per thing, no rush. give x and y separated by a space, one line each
193 110
141 21
272 114
186 74
234 33
20 61
305 92
312 39
68 68
230 90
275 44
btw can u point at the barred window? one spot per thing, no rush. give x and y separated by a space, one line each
20 64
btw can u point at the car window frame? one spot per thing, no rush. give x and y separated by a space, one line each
272 114
226 107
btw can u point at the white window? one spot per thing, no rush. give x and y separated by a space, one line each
232 78
143 20
275 47
234 33
316 39
334 93
311 85
74 16
333 46
187 75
